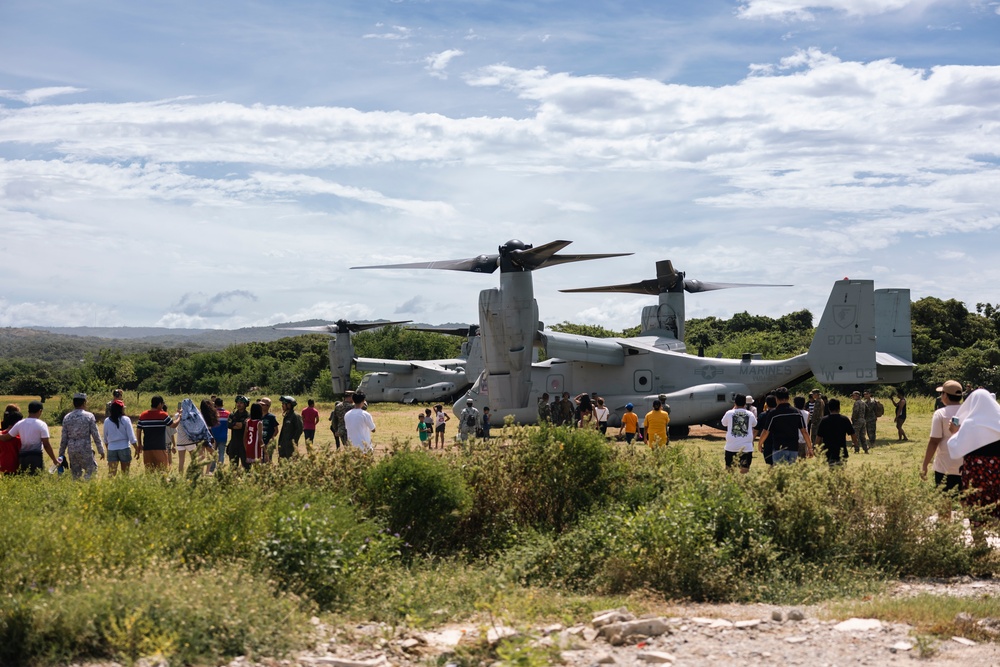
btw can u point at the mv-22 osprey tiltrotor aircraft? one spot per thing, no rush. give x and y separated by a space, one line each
863 338
391 380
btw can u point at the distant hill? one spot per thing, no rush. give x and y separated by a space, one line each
72 343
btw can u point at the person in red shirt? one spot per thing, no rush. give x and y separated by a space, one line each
310 417
253 436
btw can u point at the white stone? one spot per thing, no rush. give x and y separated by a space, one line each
552 629
614 616
752 623
901 646
499 632
606 659
446 638
330 661
796 640
721 623
650 627
701 620
858 625
963 641
589 634
657 657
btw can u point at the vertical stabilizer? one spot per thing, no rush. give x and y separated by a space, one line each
843 347
893 334
341 357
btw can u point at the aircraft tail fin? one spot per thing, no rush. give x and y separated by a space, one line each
341 352
843 347
893 335
864 336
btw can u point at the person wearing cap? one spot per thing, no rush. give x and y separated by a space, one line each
816 412
79 428
468 420
947 468
116 395
871 417
236 449
34 435
269 425
360 425
859 421
630 423
739 423
291 428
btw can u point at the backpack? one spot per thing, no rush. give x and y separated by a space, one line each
470 420
879 409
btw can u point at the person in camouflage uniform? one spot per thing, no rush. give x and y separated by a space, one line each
567 411
79 427
858 421
544 409
555 409
817 414
871 418
337 424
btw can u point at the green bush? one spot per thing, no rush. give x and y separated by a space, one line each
316 547
792 533
188 617
421 497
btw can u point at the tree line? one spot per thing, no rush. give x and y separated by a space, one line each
949 341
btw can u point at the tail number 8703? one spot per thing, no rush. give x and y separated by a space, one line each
843 339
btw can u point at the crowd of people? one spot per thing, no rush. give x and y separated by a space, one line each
963 448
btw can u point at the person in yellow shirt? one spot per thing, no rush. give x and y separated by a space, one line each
630 423
655 424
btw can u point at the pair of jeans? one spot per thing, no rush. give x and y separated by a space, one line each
784 456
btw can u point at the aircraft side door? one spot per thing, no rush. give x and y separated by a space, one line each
642 382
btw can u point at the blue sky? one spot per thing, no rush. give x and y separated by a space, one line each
222 164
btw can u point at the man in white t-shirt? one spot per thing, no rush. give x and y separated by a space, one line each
360 424
946 468
34 434
739 423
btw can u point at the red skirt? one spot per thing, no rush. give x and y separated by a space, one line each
981 474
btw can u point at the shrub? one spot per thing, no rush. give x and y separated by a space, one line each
421 498
188 617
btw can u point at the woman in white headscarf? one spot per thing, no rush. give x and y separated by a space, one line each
976 437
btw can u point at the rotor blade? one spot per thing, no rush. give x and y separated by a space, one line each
342 326
695 286
355 326
320 328
480 264
555 260
451 331
650 287
533 258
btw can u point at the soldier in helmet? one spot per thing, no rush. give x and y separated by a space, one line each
337 424
663 403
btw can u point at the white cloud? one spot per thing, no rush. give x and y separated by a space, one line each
38 95
437 63
805 10
395 33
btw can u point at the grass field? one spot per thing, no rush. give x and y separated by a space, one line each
396 423
537 525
